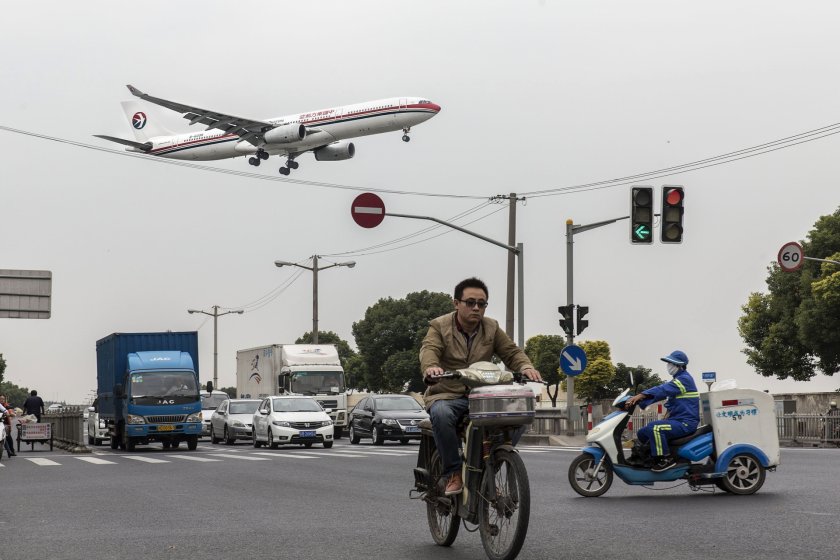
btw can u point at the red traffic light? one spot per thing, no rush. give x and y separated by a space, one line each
673 196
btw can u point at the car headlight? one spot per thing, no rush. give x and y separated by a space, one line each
389 421
194 417
237 423
281 423
326 423
134 419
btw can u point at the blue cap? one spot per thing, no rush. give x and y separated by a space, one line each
677 357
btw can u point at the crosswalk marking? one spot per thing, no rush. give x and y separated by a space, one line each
95 461
43 462
193 458
145 459
282 455
243 457
328 453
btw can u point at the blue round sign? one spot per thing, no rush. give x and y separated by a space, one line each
572 360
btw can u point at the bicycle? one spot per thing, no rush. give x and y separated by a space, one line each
496 495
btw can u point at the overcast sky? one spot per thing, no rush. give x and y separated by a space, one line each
535 95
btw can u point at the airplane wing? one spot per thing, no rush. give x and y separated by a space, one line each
247 129
145 146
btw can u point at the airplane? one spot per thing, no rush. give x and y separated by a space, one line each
325 132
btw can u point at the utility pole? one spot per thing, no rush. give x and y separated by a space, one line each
215 316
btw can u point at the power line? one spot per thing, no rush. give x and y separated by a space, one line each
237 173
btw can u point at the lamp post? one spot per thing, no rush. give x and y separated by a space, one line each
314 268
215 316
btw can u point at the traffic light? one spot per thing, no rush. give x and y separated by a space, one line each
641 215
672 214
581 322
567 321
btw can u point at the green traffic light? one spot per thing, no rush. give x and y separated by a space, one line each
641 232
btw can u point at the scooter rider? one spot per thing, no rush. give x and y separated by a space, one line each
683 405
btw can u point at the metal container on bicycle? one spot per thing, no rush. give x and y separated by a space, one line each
492 400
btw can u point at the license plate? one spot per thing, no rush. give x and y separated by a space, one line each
166 428
308 433
411 429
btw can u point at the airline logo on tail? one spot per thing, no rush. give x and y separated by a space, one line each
138 121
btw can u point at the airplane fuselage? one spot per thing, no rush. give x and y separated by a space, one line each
323 127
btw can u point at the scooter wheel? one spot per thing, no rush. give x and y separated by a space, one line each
744 475
585 480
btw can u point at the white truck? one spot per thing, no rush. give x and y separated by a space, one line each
298 369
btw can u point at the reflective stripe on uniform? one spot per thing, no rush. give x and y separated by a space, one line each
680 386
691 395
657 437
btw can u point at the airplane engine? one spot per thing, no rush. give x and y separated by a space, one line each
336 151
285 134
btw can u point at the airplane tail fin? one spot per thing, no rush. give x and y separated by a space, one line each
145 124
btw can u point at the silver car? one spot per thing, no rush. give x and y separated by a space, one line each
232 420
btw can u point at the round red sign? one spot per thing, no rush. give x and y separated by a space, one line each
368 210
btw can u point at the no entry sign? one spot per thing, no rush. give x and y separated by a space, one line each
368 210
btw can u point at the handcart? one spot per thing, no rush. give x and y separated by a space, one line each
34 432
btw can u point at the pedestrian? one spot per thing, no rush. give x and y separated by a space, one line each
832 423
34 405
7 412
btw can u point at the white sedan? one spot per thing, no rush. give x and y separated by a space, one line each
291 420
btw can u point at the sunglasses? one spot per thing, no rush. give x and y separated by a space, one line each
474 302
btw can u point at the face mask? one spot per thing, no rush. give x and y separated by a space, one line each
673 369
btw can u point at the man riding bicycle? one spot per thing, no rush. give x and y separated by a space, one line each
454 341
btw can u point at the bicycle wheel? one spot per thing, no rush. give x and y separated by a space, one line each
503 518
444 522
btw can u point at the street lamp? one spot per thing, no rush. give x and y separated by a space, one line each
215 316
314 268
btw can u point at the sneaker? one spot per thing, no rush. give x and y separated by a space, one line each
455 484
663 464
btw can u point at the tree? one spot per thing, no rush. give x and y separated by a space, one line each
592 383
389 339
794 330
2 368
544 352
231 391
643 378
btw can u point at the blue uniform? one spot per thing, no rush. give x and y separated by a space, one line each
683 405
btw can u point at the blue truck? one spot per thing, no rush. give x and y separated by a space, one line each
148 389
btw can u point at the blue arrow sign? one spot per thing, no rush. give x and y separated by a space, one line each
572 360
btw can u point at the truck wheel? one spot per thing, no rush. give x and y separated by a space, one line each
167 444
115 443
97 441
90 440
192 443
130 444
337 433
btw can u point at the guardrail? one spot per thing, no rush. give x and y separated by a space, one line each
794 429
68 428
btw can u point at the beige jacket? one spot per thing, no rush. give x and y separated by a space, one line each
446 348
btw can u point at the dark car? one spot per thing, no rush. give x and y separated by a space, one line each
391 417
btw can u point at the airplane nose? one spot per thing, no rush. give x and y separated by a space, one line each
435 107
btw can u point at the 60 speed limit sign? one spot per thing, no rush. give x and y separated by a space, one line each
791 257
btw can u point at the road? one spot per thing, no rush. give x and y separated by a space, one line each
352 502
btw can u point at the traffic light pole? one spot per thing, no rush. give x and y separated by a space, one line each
571 230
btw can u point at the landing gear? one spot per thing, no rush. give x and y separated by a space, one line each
290 164
262 154
255 161
406 138
258 157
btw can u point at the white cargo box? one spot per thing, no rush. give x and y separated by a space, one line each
742 416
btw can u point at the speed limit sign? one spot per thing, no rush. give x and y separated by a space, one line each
791 257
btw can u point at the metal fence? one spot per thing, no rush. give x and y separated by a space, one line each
794 429
68 427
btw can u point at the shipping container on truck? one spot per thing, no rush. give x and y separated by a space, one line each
301 369
147 386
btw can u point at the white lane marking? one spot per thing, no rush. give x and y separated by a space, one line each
380 453
243 457
43 462
95 461
191 458
145 459
329 453
281 455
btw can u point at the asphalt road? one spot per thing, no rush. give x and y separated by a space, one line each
352 502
